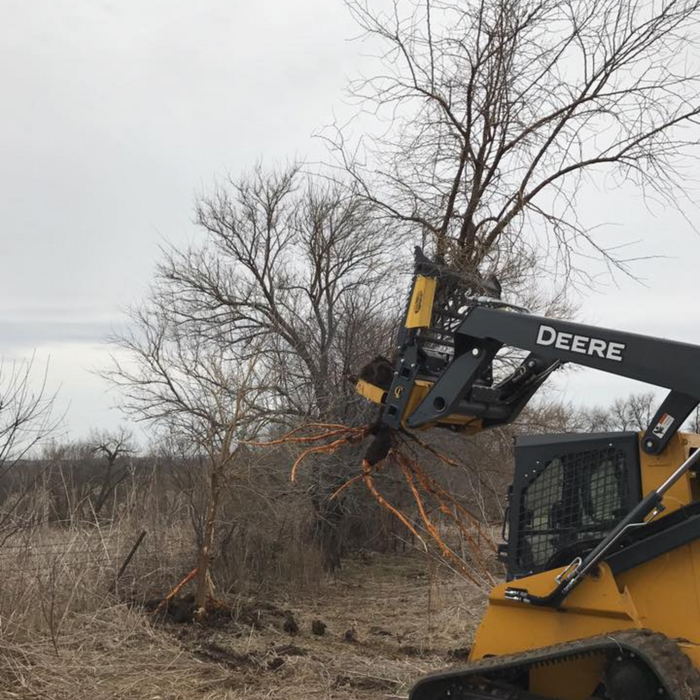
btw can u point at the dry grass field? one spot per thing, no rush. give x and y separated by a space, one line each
388 619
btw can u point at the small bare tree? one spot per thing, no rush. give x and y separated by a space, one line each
26 420
178 381
300 268
112 446
483 119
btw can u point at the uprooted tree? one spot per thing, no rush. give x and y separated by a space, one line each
490 117
482 120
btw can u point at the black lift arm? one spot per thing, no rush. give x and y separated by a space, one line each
463 385
484 331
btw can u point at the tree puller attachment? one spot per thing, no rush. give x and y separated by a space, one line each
602 531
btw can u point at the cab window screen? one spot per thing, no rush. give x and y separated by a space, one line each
576 497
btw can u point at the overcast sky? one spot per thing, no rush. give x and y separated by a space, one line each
116 114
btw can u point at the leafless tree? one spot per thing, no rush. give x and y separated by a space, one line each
483 119
112 446
293 268
299 267
631 412
26 411
26 420
174 378
634 412
552 415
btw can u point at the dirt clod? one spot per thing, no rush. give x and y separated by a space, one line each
410 650
459 654
290 625
318 627
275 663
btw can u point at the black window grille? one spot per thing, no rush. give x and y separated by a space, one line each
575 499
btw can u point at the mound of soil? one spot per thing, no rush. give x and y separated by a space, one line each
217 613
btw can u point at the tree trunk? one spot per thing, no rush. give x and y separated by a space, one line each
203 590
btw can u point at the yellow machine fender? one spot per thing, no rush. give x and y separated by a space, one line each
595 606
600 604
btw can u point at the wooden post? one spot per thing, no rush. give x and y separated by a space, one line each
128 559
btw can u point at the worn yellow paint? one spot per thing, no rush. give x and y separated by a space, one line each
419 391
420 310
370 391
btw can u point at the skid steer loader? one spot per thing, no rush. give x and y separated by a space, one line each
602 551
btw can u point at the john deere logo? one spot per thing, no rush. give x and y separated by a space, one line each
582 344
418 302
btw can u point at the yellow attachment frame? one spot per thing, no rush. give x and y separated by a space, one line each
376 394
420 310
370 391
421 387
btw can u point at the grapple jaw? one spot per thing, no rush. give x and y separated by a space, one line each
427 344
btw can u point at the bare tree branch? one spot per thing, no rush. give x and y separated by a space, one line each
487 114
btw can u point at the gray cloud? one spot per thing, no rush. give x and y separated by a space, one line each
16 335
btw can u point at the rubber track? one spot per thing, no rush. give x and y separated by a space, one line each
678 678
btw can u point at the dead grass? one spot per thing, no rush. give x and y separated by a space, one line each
405 616
113 653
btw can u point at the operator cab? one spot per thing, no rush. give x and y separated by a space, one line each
568 492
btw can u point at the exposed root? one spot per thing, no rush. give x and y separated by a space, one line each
429 448
413 471
369 482
342 488
331 429
352 437
434 533
176 590
212 606
443 497
428 494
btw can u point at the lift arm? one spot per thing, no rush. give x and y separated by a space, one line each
454 328
551 342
